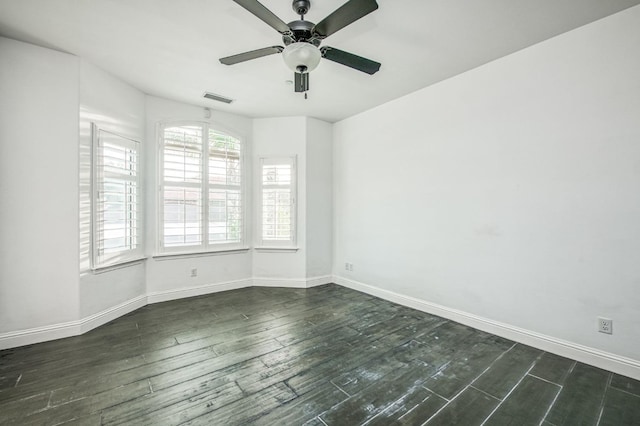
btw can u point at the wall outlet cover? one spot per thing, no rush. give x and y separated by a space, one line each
605 325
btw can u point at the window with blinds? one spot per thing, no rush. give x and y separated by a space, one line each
278 197
201 189
116 200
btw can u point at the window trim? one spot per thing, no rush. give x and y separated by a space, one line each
278 245
206 247
125 257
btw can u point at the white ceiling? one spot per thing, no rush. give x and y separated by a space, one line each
170 48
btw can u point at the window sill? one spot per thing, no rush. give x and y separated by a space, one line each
276 249
125 264
169 256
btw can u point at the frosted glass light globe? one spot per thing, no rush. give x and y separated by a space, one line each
301 54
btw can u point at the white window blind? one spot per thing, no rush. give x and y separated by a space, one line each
182 181
116 200
278 196
201 189
225 184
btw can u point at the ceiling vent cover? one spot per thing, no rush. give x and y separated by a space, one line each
218 98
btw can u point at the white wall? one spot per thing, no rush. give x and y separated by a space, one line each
38 186
510 192
170 277
119 108
281 137
319 195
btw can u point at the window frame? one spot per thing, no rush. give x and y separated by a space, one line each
98 260
205 246
284 245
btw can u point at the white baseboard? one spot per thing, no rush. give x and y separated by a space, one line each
317 281
96 320
601 359
280 282
71 328
605 360
74 328
166 295
39 334
292 282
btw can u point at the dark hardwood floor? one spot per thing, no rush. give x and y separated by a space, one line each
323 356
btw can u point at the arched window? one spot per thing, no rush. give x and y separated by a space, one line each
201 202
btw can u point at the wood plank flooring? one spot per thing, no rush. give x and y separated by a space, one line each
322 356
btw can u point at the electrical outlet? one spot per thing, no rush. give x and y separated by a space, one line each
351 267
605 325
194 272
346 266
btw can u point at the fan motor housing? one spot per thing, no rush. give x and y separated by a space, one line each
302 31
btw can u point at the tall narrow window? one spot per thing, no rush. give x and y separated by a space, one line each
278 194
201 189
116 227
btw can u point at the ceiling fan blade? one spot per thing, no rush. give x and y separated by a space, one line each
346 14
349 59
265 15
254 54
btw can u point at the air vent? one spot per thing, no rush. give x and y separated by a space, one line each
218 98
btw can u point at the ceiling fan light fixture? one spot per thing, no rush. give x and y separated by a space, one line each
301 56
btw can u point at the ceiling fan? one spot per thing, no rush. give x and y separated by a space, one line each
302 39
